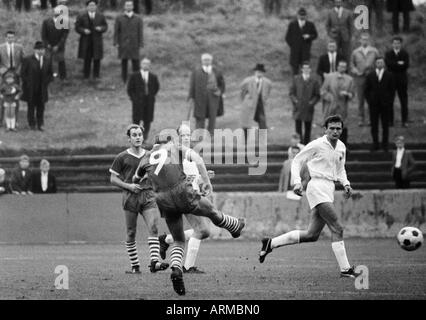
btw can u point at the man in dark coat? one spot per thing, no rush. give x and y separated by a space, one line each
43 181
403 164
91 25
36 74
300 35
128 36
21 177
206 90
379 90
304 94
397 6
398 61
142 88
54 39
328 62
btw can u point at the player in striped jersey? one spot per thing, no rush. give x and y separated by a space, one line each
175 196
200 225
137 199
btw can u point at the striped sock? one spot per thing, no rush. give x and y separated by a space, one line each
154 248
132 251
229 223
176 256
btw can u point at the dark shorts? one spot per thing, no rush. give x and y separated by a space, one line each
140 202
178 200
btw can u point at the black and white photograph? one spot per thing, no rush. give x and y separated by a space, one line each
212 155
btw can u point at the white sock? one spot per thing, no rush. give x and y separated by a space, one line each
340 253
191 254
8 124
13 123
286 239
188 234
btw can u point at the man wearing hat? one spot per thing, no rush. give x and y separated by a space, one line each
21 179
300 35
255 93
36 74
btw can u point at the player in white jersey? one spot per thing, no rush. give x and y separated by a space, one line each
200 225
325 158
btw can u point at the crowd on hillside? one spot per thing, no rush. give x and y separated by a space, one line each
345 72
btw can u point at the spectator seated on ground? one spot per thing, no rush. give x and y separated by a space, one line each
4 184
21 180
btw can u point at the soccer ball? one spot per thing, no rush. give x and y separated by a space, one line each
410 238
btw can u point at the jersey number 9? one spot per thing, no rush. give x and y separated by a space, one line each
158 158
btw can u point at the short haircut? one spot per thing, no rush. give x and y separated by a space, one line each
332 41
24 157
380 58
342 61
89 1
334 118
10 32
399 138
44 161
397 38
206 56
133 126
295 136
305 63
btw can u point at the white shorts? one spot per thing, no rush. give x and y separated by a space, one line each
319 191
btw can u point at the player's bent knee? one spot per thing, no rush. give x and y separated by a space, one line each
203 234
131 234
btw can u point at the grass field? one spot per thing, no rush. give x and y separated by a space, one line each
299 272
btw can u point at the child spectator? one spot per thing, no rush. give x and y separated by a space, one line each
21 181
4 184
10 94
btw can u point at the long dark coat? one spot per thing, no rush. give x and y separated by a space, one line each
199 93
94 38
128 36
400 5
304 95
52 36
32 77
143 103
298 45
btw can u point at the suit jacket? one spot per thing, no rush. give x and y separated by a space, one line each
324 64
339 27
399 5
36 183
35 80
398 71
53 36
333 101
249 97
201 95
298 45
95 38
18 56
20 183
128 36
407 164
379 94
142 95
304 95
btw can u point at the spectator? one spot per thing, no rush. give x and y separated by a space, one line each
328 62
272 6
376 7
338 89
362 63
36 75
147 4
43 181
397 6
10 93
11 56
339 26
294 142
142 88
300 35
26 3
91 25
398 61
255 93
4 184
286 182
379 90
43 4
21 180
403 164
304 94
54 40
128 36
206 90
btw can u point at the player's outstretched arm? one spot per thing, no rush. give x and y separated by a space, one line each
116 181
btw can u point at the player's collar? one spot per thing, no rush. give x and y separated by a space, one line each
129 151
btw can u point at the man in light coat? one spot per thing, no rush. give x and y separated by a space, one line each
337 91
255 93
